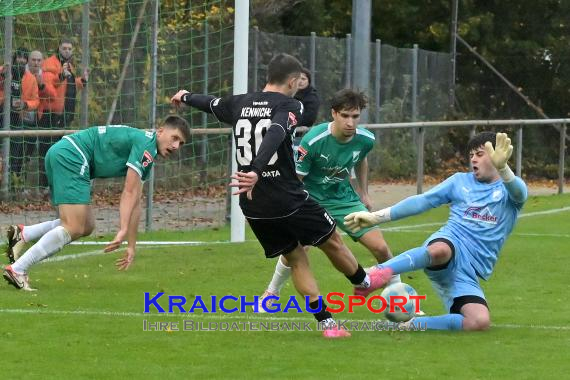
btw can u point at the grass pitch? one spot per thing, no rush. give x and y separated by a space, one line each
86 320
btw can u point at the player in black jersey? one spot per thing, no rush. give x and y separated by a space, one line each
272 197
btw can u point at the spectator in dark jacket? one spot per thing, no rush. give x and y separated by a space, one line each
307 95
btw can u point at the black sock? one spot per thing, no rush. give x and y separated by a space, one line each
322 314
358 277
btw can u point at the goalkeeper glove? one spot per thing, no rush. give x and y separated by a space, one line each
362 219
500 156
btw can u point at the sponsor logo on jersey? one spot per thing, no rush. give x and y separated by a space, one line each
497 195
480 214
216 101
301 152
147 159
271 173
335 174
355 156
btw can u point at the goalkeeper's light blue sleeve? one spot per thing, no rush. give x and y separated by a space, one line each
481 215
517 190
439 195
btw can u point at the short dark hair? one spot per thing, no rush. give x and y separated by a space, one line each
177 122
480 139
281 67
65 40
20 52
348 99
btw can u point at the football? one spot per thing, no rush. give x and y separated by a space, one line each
399 289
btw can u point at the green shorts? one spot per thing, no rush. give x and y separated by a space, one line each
338 211
67 171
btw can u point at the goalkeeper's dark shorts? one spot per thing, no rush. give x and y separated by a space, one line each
308 225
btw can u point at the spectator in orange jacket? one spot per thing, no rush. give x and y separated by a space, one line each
24 88
57 109
31 118
34 67
24 98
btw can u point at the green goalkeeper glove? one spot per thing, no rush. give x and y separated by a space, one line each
500 156
363 219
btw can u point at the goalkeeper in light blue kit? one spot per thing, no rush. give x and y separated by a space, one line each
485 204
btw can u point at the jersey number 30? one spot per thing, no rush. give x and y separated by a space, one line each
243 134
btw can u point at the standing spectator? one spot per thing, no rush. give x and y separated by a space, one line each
30 116
34 67
307 95
24 98
61 85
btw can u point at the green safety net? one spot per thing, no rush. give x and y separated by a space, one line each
19 7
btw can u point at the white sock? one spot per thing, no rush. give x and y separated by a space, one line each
36 231
328 323
394 280
49 244
365 283
281 275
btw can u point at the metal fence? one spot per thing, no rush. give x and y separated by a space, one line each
407 84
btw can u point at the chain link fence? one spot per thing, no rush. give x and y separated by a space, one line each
114 40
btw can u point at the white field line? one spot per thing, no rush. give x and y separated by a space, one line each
526 234
249 317
545 212
525 215
397 228
98 252
150 242
158 244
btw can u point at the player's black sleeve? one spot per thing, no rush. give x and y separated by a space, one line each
283 122
202 102
271 141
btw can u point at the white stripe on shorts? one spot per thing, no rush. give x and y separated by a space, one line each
85 163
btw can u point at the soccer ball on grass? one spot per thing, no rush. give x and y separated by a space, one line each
400 289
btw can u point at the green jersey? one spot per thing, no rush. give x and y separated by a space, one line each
110 150
326 163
